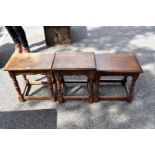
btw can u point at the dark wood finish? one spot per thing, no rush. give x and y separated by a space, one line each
57 35
15 82
132 87
117 65
31 64
37 98
58 86
49 80
74 63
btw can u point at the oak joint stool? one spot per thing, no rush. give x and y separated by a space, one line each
74 63
31 64
117 65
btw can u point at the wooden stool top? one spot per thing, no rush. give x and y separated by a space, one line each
118 63
74 61
30 62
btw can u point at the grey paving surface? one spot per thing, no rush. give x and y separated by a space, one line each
78 114
29 119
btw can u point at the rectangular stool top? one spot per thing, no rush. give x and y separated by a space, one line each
30 62
74 61
118 63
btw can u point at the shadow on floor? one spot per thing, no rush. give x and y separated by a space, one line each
6 51
1 31
39 46
32 119
116 38
78 33
40 49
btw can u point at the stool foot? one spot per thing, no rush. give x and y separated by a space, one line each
129 99
21 99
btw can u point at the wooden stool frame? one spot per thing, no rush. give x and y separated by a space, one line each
60 64
60 80
128 89
23 96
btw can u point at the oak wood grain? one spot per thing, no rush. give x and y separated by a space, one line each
74 61
29 62
125 63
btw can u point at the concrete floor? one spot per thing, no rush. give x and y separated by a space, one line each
78 114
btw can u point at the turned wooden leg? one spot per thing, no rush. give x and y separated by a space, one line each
25 79
59 89
49 80
20 96
124 80
91 87
27 84
96 92
63 81
132 86
54 81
